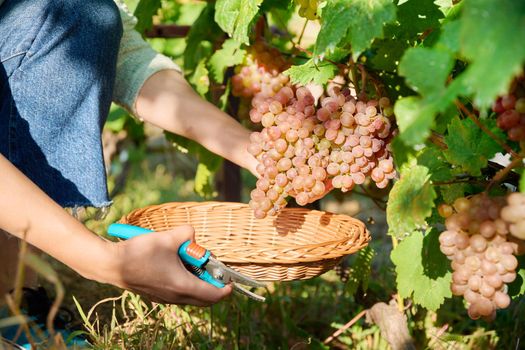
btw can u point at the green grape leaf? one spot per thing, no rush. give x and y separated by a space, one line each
410 201
277 4
418 16
235 17
116 119
468 146
198 42
402 153
449 37
144 12
204 181
453 191
426 69
414 117
309 72
200 79
229 55
433 159
360 21
208 165
444 4
492 39
415 277
223 100
388 53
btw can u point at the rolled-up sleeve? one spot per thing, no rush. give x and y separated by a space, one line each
137 61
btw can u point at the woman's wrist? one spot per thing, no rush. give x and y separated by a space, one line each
105 262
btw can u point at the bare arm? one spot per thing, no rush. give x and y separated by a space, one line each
168 101
149 265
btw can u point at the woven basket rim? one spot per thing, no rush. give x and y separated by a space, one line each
243 255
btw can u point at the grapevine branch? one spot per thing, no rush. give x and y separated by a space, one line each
345 327
502 173
476 121
437 139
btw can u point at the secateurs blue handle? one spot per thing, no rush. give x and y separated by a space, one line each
190 252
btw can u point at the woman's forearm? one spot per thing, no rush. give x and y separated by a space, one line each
167 101
28 213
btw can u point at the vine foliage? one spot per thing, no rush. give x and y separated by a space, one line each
444 63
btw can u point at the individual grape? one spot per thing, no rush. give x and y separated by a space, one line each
520 105
517 133
508 119
502 300
445 210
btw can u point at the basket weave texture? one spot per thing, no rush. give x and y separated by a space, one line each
294 245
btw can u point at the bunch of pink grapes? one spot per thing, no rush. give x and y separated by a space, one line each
304 148
478 240
261 72
511 111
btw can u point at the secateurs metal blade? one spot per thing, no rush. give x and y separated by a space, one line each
199 261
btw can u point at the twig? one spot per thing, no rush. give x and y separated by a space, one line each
302 32
458 181
501 174
437 139
345 327
476 121
167 31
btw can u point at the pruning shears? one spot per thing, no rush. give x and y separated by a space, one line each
199 261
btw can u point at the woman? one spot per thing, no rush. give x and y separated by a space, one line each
62 63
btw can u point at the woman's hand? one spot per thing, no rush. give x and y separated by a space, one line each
150 265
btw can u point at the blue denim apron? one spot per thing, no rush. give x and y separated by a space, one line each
57 71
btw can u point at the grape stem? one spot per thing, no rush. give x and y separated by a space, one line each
364 77
302 32
260 27
476 121
353 73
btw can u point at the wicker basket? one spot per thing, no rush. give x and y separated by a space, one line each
294 245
